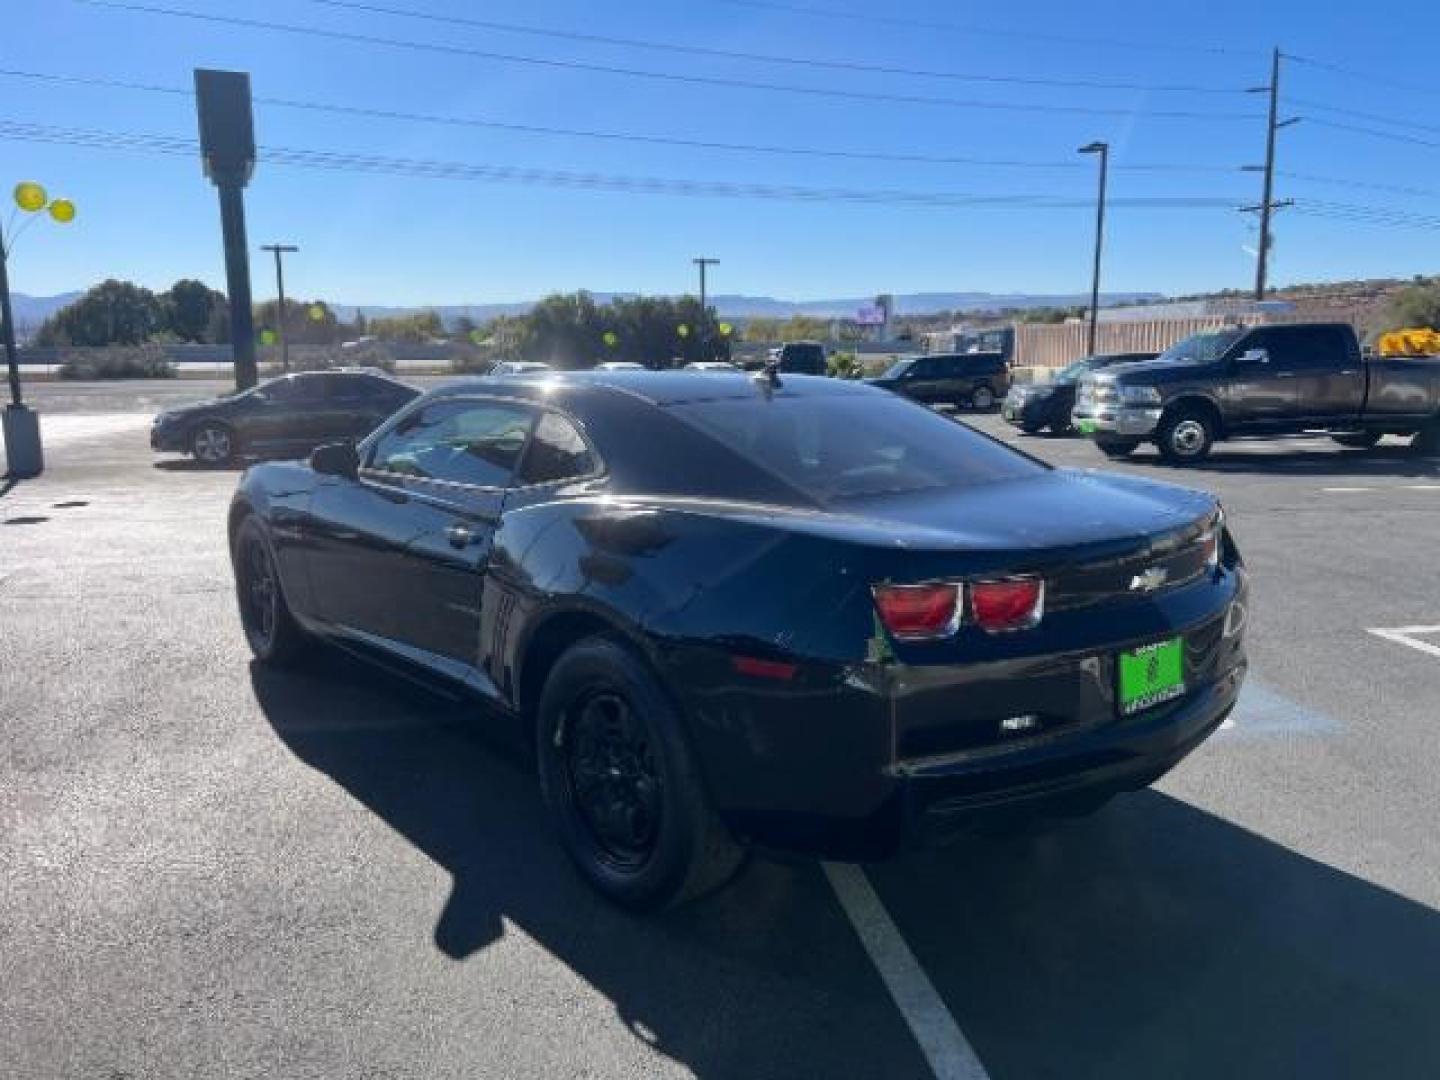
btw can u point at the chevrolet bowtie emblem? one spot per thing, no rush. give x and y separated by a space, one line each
1149 580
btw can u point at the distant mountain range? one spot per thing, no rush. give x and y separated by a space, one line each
32 310
737 306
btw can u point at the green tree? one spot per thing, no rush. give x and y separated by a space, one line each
112 313
1415 306
189 306
417 326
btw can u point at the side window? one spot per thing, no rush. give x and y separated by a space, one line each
927 367
280 389
463 442
556 452
308 389
1296 350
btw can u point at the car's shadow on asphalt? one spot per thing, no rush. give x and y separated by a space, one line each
732 985
190 465
1151 940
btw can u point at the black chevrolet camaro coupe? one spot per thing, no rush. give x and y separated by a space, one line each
290 415
782 611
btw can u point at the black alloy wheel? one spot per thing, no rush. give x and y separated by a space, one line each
621 783
270 629
614 781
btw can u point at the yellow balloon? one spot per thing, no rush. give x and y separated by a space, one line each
267 337
726 328
683 330
62 210
610 338
30 196
317 312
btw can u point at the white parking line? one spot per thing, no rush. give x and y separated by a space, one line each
1404 635
941 1041
1338 489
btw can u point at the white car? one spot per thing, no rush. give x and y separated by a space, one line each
520 367
711 365
619 365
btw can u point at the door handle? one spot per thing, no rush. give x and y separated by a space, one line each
460 536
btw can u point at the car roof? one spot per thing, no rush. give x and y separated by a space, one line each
656 387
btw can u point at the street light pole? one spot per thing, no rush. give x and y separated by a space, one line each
11 360
702 263
280 250
1103 149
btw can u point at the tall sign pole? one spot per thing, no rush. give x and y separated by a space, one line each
281 250
702 263
1103 149
227 148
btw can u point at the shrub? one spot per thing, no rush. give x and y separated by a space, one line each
137 362
844 365
473 361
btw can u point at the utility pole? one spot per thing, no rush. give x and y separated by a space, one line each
702 263
1103 149
280 250
1268 205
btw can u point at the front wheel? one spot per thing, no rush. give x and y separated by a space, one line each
618 776
1117 449
270 629
1185 437
213 444
982 399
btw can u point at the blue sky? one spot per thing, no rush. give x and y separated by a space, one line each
407 240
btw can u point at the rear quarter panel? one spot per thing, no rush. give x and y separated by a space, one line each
1403 387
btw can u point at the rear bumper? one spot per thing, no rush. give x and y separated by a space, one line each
885 757
1029 412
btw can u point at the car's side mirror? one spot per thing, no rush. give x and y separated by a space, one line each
1254 356
336 459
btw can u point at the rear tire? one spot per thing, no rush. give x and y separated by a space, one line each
982 399
1360 440
1032 429
1427 440
1117 449
1185 436
270 629
622 785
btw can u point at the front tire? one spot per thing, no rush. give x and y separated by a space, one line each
270 629
1117 449
213 444
618 776
1185 437
982 399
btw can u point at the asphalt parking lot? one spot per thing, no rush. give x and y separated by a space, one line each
210 869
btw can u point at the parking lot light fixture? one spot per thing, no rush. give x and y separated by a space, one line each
1103 149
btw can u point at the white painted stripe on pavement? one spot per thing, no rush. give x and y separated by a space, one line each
1338 489
1422 487
941 1041
1404 635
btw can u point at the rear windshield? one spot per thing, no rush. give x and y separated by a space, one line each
834 448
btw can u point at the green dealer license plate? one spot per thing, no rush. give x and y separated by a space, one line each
1151 675
1085 427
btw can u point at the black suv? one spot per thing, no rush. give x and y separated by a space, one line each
803 358
290 416
977 380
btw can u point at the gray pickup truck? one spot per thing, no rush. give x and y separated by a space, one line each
1262 381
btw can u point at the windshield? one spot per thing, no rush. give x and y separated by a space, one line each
898 368
1071 372
1201 348
834 448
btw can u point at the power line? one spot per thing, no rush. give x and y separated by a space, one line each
1367 185
350 161
621 136
872 18
1360 129
639 73
671 48
1369 77
1361 115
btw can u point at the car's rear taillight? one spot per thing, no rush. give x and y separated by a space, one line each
919 611
1007 604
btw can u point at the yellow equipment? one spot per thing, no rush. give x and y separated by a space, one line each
1416 342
